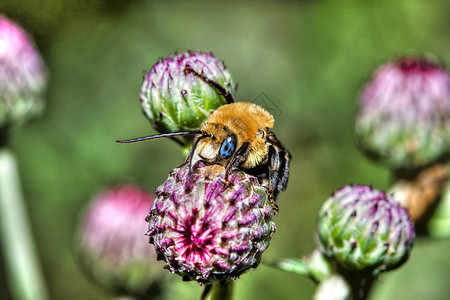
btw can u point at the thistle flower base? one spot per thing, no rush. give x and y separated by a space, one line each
208 230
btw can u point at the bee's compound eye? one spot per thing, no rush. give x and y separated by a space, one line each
228 146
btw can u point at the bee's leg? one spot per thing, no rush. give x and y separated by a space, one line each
189 160
285 159
274 178
273 203
238 159
274 166
191 154
219 89
278 165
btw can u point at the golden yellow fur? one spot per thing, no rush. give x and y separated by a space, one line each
249 122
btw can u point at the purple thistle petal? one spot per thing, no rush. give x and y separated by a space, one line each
111 242
23 75
404 113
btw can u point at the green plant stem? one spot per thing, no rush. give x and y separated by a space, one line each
361 288
360 283
219 291
421 191
25 276
222 291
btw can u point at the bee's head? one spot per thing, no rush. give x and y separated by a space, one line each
214 146
218 144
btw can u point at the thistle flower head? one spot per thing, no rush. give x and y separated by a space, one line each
112 244
365 229
404 113
206 229
175 101
22 75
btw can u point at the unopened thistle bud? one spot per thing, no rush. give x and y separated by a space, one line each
209 230
174 100
22 76
111 241
404 114
365 229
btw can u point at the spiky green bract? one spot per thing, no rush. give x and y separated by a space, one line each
365 229
404 114
22 76
177 101
209 230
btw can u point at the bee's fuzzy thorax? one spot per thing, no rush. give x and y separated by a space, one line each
245 118
247 121
241 118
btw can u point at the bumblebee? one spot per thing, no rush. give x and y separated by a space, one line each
237 135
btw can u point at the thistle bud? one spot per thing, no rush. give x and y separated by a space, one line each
22 76
404 114
208 230
111 241
177 101
365 229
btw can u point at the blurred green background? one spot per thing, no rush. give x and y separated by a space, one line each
308 57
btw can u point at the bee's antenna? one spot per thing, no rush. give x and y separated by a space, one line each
151 137
219 89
